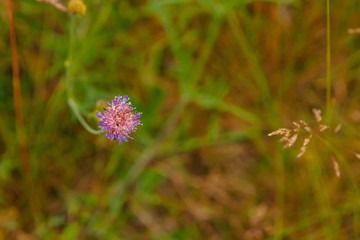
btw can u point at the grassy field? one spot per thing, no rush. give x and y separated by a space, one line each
212 79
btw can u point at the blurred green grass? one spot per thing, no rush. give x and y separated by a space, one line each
212 78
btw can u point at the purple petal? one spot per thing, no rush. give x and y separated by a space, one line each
125 98
118 99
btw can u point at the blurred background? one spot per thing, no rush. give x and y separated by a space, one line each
212 79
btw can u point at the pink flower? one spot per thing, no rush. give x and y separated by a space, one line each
118 120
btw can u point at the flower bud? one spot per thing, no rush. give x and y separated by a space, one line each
76 7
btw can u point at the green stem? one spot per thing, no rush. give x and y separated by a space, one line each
252 60
149 153
343 163
280 194
69 57
147 156
74 107
69 81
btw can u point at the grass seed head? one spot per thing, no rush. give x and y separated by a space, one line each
317 114
302 151
337 128
336 167
306 141
308 129
280 131
304 123
323 127
284 139
303 147
297 127
291 141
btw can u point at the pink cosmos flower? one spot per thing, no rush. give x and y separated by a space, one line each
118 120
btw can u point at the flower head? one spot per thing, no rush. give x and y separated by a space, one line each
77 7
118 120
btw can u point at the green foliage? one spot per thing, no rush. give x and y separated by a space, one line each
212 79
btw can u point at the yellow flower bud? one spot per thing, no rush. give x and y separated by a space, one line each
76 7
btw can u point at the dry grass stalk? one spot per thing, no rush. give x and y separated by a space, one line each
21 136
353 30
56 3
